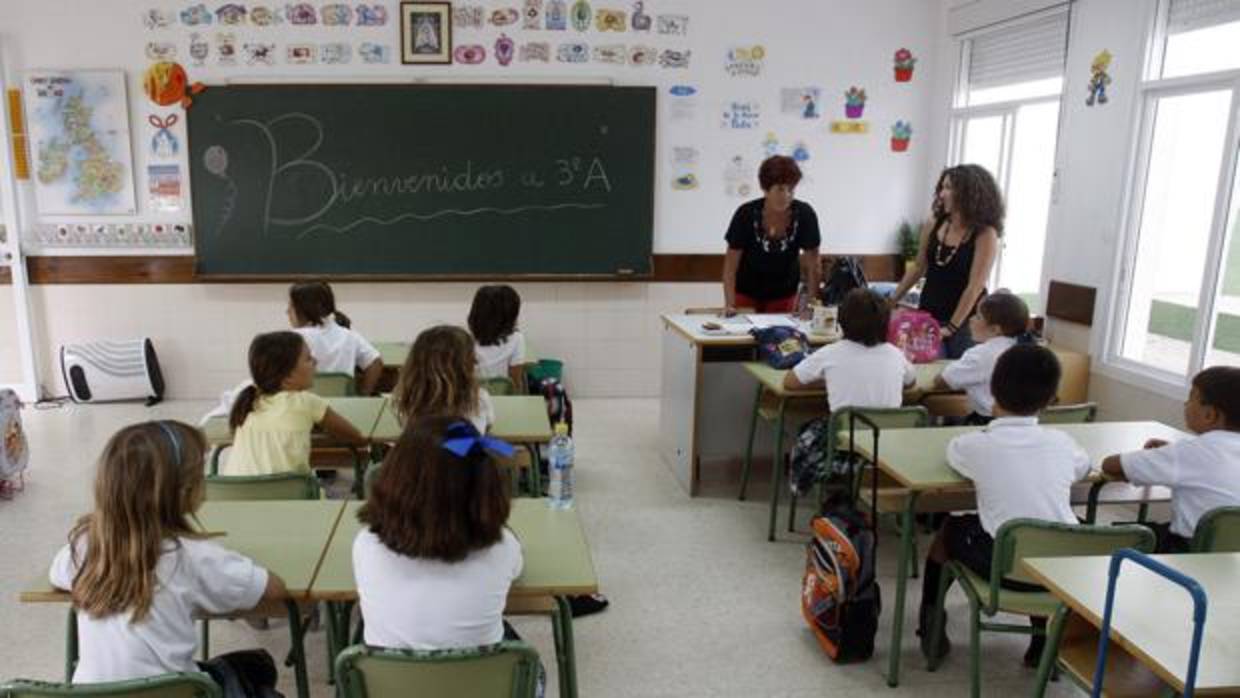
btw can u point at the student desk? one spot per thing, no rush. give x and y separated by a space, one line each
917 460
1151 626
361 412
771 382
290 537
518 418
393 355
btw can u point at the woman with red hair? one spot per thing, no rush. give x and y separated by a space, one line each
772 244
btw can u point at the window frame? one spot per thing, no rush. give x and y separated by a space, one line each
1150 90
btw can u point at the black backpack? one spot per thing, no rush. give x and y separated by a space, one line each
845 275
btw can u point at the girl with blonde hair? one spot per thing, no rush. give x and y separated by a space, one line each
439 379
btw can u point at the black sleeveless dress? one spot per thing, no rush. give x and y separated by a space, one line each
946 283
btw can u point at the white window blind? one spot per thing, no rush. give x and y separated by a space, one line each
1189 15
1023 52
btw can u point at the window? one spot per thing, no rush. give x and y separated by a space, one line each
1178 307
1006 119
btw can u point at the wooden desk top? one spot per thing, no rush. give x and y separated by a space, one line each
518 418
772 379
736 332
1152 619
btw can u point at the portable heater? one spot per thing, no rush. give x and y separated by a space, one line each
110 371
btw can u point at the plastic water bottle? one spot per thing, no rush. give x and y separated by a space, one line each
560 455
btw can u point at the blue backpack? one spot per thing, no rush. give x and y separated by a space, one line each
781 347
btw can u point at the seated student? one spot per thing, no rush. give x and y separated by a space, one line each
274 415
1018 469
862 370
1001 318
1204 472
436 559
335 347
439 378
493 322
138 567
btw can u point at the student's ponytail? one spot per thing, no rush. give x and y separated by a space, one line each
273 356
313 301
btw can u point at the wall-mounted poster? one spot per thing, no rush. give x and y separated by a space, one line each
79 134
426 32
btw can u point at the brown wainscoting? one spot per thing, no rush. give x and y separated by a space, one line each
1065 301
179 269
6 276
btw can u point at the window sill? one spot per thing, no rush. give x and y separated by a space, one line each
1140 376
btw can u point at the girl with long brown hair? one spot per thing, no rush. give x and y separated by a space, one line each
439 379
273 416
336 347
138 567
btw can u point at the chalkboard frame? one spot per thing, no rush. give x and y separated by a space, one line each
620 275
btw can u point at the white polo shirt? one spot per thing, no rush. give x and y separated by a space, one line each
494 360
1020 470
197 575
857 375
338 349
415 603
1203 474
971 373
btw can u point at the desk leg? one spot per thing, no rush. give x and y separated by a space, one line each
753 426
297 650
777 470
359 473
71 645
1050 652
566 654
1091 504
339 614
907 533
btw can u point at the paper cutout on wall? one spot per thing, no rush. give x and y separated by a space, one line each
677 25
375 53
469 54
672 58
742 114
801 101
164 143
684 168
260 54
226 48
901 132
854 102
850 127
263 16
504 16
612 53
770 145
1099 78
641 21
336 15
531 17
535 51
641 56
606 20
163 188
744 61
682 103
572 53
904 62
336 53
367 15
580 15
301 13
118 235
156 18
505 50
467 17
195 15
199 49
556 15
161 51
165 83
800 152
738 177
232 14
300 54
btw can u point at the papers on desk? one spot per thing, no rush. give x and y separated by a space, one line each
763 321
726 327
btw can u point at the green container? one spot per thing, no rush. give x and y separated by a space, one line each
546 368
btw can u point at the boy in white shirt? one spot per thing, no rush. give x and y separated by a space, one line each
1204 472
862 370
1000 319
1019 470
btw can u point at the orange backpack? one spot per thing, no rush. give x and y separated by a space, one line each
839 597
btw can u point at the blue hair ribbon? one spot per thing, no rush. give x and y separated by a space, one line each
463 439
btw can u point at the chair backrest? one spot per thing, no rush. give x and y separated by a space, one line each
1021 538
1069 414
1218 531
183 685
910 417
506 670
225 488
333 385
500 385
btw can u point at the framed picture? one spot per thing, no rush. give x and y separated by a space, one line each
426 32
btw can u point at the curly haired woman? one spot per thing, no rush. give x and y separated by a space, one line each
957 252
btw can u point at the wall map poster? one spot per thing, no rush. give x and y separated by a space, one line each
79 133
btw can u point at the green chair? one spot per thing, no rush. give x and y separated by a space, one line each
334 385
1019 539
182 685
1218 532
505 670
1082 413
498 386
231 488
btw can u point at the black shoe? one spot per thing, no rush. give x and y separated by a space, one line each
923 632
1033 655
587 604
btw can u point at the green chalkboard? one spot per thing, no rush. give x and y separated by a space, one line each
422 179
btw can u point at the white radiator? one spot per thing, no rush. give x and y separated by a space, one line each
107 371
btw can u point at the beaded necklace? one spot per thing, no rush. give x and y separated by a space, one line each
938 250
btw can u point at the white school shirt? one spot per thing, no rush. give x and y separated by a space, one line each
337 349
485 416
857 375
421 604
197 575
1020 470
494 360
972 371
1203 474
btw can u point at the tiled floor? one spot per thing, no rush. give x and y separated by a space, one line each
702 605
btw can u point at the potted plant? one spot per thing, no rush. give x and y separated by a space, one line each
901 132
909 237
904 61
854 102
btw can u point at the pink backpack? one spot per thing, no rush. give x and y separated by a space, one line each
916 333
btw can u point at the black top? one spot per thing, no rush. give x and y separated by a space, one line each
770 268
946 281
